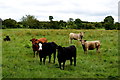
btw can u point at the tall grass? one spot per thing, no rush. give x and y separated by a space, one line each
18 61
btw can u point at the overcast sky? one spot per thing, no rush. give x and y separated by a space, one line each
86 10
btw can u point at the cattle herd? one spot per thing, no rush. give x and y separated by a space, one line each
43 48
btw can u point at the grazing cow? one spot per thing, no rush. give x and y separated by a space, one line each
66 53
74 36
35 42
90 45
47 49
7 38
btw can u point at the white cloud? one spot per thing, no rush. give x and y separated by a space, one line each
88 10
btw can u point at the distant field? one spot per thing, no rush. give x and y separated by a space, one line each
18 61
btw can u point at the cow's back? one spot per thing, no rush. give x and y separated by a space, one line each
92 44
74 36
70 51
42 40
49 47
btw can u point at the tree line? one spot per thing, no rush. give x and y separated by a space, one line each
29 21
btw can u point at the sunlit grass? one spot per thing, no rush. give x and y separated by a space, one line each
18 61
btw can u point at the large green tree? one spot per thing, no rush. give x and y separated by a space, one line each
70 24
62 24
117 25
30 21
10 23
78 23
109 23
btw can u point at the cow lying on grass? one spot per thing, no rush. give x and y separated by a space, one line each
90 45
7 38
66 53
47 49
36 41
73 36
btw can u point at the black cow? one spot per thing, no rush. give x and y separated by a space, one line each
66 53
7 38
47 49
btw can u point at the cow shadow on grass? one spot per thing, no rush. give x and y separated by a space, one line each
51 65
67 67
90 52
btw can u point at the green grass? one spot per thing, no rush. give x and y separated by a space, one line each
18 61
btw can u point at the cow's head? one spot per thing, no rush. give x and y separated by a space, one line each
40 46
33 41
83 41
7 36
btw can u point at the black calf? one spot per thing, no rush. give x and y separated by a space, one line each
7 38
66 53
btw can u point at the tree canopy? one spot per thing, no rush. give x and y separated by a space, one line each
30 21
109 23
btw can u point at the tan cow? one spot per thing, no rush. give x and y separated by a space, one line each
74 36
90 45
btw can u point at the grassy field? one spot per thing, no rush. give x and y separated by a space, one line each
18 61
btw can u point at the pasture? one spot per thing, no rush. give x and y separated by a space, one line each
18 61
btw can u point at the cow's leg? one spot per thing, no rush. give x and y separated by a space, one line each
97 50
60 64
75 61
81 37
70 40
44 59
71 61
49 58
54 56
63 64
40 60
37 53
86 51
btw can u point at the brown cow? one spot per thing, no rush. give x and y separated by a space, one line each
36 41
90 45
74 36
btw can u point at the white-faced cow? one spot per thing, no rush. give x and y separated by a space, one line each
47 49
35 46
74 36
90 45
66 53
